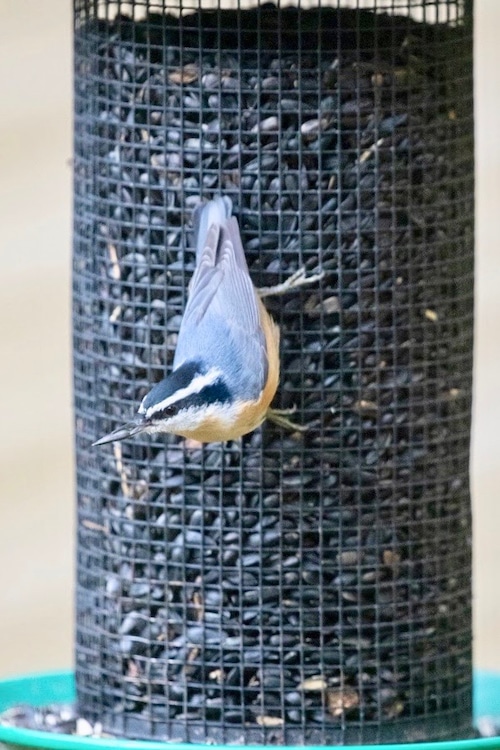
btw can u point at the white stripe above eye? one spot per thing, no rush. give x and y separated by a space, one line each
195 386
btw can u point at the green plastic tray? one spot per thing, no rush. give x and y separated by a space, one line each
59 687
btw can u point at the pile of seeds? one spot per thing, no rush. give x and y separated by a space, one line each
288 588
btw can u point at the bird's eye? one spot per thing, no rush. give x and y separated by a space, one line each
169 411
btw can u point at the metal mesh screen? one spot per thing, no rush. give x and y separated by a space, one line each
281 588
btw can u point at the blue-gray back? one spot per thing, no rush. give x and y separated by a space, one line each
221 323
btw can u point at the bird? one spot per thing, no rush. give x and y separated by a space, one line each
226 364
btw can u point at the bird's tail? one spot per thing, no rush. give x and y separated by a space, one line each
216 211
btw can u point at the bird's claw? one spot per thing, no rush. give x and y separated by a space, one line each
279 417
295 281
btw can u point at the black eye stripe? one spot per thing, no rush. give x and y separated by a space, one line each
216 393
168 411
176 381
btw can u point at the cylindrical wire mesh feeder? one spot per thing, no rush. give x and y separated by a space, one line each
283 588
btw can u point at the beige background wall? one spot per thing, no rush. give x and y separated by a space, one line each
36 479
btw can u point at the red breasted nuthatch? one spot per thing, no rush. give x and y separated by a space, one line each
226 364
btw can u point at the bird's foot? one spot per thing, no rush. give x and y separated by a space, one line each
295 281
280 418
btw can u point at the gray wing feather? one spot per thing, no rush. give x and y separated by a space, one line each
221 322
216 212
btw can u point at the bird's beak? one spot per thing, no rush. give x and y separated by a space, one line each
139 424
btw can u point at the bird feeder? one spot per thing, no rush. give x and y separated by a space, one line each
297 589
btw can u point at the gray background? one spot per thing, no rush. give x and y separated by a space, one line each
36 472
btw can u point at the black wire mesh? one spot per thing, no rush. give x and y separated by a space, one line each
309 589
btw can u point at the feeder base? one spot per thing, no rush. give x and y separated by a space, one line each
58 687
